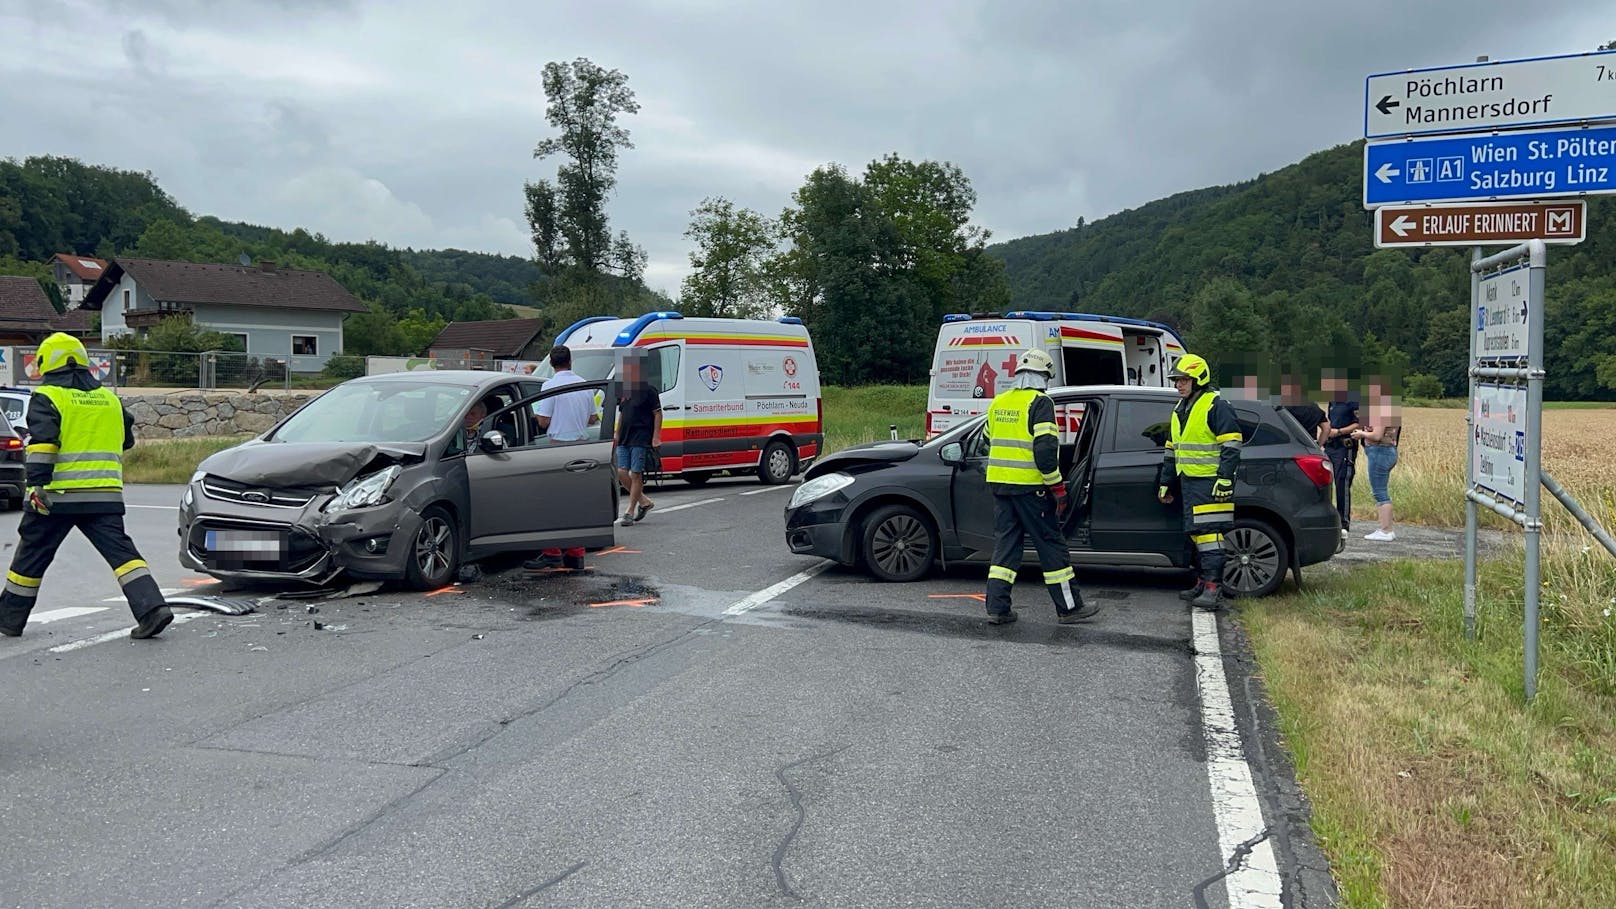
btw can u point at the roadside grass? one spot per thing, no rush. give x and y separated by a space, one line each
854 416
172 460
1431 784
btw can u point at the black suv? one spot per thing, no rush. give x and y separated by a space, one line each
898 508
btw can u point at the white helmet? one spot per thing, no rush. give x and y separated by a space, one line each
1035 360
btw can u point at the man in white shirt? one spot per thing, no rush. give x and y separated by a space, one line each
567 418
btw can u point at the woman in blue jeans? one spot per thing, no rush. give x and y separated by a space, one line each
1379 441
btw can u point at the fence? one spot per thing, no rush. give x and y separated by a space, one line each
169 369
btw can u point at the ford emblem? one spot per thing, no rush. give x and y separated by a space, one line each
256 497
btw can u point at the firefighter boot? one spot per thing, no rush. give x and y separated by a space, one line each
1210 597
1079 612
153 624
1193 592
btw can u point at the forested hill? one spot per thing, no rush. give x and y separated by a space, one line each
1282 271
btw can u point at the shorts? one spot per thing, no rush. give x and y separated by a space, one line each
632 457
1382 458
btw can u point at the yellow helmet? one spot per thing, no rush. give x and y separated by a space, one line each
1035 360
60 350
1192 367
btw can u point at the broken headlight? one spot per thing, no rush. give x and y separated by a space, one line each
364 492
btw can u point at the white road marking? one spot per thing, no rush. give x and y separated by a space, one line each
758 492
70 612
1255 883
769 593
672 508
166 591
179 619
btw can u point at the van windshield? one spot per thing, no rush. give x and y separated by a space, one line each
593 365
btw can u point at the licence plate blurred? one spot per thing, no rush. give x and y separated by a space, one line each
246 544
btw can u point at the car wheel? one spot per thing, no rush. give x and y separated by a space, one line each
14 503
435 553
696 479
1255 559
899 544
778 463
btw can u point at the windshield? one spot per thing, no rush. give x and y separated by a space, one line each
376 412
592 365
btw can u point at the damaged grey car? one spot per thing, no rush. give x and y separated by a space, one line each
389 478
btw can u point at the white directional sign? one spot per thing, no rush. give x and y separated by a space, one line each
1484 96
1498 458
1503 311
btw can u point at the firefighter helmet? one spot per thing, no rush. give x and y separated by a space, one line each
60 350
1191 367
1035 360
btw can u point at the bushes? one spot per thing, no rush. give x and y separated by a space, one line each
1420 385
343 367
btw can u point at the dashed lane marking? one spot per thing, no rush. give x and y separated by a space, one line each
1254 883
768 593
179 619
69 612
758 492
167 592
682 507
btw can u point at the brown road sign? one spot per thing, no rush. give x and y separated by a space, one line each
1482 223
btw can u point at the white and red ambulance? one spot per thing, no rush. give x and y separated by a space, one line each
737 394
975 358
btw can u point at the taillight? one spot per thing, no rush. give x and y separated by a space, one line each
1317 468
11 444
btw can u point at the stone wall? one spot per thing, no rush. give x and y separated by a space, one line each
186 414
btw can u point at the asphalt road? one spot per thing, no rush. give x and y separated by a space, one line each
656 731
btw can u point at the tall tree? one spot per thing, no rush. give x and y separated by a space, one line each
730 266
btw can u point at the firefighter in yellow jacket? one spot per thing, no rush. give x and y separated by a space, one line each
1029 494
1203 452
78 432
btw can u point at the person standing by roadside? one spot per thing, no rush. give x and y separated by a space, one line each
1203 455
639 430
77 432
1029 494
1380 440
565 418
1335 434
1307 413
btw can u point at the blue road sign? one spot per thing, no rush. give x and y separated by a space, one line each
1531 164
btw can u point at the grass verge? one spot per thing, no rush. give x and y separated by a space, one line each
172 460
854 416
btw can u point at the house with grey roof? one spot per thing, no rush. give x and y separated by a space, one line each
25 311
282 313
478 343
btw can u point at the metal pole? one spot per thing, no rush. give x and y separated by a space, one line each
1583 517
1534 466
1470 459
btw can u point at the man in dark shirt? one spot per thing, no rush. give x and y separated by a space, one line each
1335 434
1307 413
639 430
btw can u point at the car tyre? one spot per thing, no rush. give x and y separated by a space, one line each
696 479
1255 558
899 544
778 463
434 559
14 503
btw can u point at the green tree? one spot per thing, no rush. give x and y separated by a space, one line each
730 276
1228 328
163 239
417 330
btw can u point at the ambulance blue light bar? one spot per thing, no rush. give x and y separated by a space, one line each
790 320
626 337
956 317
567 333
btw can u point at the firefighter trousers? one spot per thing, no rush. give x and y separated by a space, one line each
42 534
1016 517
1206 522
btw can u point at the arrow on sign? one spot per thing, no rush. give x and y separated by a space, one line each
1401 225
1523 312
1386 104
1387 172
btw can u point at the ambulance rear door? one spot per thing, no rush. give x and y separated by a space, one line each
974 361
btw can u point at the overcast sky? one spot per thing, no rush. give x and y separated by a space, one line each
413 122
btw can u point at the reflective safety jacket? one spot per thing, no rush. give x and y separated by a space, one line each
78 432
1205 439
1024 444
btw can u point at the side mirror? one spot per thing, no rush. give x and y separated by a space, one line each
953 454
493 440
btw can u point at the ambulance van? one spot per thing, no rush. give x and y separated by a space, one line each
976 356
738 395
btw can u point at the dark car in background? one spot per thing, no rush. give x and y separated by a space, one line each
13 454
900 508
378 478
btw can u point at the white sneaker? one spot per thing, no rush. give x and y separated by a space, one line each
1381 536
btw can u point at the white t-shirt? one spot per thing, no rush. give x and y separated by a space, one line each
569 413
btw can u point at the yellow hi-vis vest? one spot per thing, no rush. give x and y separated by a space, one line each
1195 449
89 455
1010 457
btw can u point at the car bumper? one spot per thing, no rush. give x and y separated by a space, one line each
1318 532
315 547
820 529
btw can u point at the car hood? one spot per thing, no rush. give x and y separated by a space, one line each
275 464
870 453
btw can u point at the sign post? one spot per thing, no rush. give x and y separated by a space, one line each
1525 164
1469 224
1503 95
